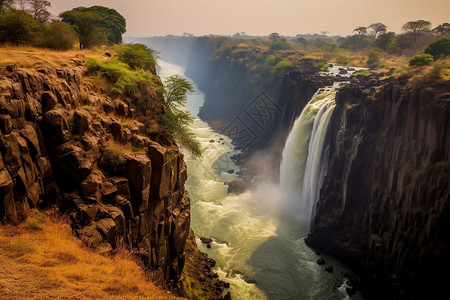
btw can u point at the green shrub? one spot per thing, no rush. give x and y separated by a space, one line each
138 56
283 45
436 71
342 60
119 74
17 27
421 60
382 65
281 67
439 48
58 35
322 66
374 57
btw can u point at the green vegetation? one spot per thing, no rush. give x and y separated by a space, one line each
342 60
95 25
374 56
177 120
57 35
439 48
322 66
421 60
30 24
123 79
18 27
138 56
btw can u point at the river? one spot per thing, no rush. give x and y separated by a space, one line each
259 250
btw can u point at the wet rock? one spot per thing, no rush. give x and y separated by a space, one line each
329 269
321 261
206 240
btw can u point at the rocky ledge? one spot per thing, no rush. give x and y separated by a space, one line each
63 143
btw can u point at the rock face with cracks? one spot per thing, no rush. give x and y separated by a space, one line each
55 150
384 206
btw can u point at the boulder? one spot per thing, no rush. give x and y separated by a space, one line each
165 168
5 124
7 203
91 186
123 188
56 123
81 120
89 236
321 261
139 172
48 101
109 192
116 131
107 227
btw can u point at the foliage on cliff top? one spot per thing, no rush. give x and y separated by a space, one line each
51 264
140 83
123 79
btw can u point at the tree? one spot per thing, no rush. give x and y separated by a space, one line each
17 26
38 9
417 28
442 30
58 35
87 27
439 48
5 5
361 30
177 120
384 40
404 41
176 90
96 23
377 28
112 21
374 57
274 37
421 60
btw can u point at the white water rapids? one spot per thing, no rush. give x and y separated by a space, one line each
258 250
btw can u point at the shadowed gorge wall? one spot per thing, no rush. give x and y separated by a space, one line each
385 203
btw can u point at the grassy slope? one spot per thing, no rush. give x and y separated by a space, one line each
51 264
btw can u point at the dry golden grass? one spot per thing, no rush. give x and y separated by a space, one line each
51 264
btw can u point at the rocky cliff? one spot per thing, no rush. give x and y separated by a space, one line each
64 142
256 107
384 206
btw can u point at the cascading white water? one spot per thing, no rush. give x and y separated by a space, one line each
305 157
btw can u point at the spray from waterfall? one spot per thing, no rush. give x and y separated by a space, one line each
305 157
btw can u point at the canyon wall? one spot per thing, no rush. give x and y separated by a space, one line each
384 207
257 113
65 142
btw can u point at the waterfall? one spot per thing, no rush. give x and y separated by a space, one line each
305 157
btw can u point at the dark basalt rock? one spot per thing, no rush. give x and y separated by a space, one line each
321 261
383 207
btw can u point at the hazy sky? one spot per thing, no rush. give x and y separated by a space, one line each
261 17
